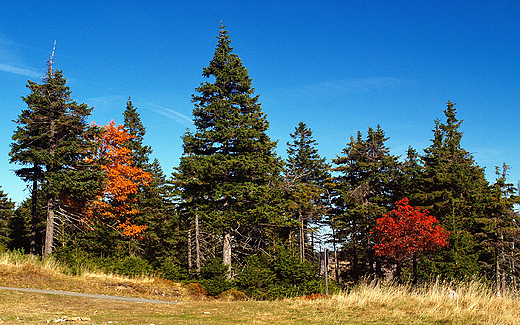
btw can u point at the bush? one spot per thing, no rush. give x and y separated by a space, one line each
171 270
232 295
129 266
213 278
195 289
75 261
279 275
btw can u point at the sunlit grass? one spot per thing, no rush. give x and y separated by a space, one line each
366 303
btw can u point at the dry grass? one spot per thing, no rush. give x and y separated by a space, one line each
474 303
368 303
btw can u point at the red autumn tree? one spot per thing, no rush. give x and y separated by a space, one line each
406 231
122 180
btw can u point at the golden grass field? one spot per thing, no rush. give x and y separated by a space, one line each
367 303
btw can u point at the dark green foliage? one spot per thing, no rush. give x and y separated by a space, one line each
409 183
214 277
129 266
6 217
304 164
170 269
305 175
279 274
162 236
500 233
455 190
54 139
363 190
228 171
77 260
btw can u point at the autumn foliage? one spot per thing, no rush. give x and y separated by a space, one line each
407 230
122 180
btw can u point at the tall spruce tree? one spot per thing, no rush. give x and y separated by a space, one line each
500 234
228 167
54 139
455 190
6 214
363 190
306 173
162 234
134 126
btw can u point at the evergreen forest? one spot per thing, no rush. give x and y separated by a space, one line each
235 216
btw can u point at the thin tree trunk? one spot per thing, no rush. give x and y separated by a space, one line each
336 268
197 244
226 254
414 266
326 271
371 261
379 271
302 239
49 230
34 221
190 262
397 275
355 264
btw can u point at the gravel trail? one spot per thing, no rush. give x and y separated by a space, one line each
88 295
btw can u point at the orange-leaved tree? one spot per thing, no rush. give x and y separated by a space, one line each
122 180
406 231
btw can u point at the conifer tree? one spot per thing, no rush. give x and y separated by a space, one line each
455 190
161 236
362 191
6 214
227 171
134 126
306 173
409 183
53 138
500 233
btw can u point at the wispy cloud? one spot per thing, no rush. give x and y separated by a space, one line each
21 71
172 114
105 100
357 85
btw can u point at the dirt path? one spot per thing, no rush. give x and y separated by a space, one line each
88 295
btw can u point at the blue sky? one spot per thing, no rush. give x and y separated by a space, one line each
339 66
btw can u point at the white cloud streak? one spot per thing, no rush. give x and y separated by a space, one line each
170 113
357 85
19 71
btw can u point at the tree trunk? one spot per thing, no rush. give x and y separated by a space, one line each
414 266
302 239
355 264
49 230
226 254
397 275
190 263
326 271
197 244
371 261
34 221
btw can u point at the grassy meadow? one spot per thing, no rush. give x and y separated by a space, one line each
367 303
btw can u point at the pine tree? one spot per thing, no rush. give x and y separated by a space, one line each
409 183
363 190
6 214
134 126
500 233
455 190
161 237
306 173
53 138
228 167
